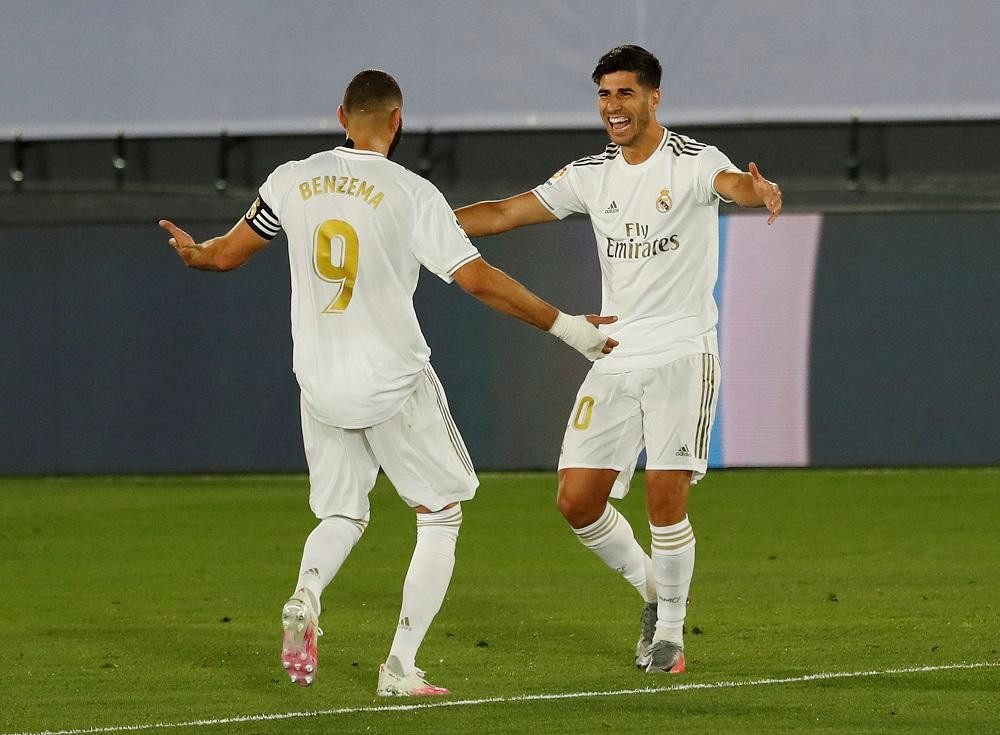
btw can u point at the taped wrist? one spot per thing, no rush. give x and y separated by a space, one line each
579 334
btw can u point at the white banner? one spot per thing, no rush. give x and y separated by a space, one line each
160 67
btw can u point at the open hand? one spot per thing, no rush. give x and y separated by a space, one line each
768 192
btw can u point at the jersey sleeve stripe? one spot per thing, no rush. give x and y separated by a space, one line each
541 198
610 152
692 150
467 259
683 146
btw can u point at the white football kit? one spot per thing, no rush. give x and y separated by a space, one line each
657 230
359 227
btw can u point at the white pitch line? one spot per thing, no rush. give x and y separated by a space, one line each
516 698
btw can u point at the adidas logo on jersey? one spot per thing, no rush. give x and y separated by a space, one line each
612 208
683 451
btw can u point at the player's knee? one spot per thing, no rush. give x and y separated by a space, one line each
667 503
578 509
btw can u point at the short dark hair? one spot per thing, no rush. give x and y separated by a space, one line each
630 58
372 90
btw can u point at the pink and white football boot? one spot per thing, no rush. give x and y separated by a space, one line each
299 653
393 683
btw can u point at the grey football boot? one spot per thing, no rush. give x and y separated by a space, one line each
665 657
648 620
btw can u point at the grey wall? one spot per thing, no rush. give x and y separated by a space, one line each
115 358
906 341
190 66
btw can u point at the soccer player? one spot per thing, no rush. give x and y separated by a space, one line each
653 201
359 227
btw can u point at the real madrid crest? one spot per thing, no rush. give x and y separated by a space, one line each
256 205
663 201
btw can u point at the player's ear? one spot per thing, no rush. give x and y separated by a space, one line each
342 116
396 118
654 97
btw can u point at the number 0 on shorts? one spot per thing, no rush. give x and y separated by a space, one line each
584 412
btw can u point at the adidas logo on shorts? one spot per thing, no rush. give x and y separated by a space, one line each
683 451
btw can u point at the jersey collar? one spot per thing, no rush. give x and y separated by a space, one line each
659 147
357 152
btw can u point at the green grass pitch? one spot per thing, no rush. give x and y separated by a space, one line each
134 601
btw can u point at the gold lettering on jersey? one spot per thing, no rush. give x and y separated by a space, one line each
636 229
638 244
346 185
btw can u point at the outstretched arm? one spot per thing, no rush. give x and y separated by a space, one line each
750 190
494 217
502 293
218 254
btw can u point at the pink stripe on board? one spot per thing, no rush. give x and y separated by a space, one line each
766 319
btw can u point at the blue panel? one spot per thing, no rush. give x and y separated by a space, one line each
715 453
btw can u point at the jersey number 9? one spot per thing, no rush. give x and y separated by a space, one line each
337 235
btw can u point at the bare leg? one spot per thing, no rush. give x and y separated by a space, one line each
583 501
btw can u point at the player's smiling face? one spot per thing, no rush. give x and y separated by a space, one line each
627 108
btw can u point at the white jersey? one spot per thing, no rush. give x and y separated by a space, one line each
359 227
657 229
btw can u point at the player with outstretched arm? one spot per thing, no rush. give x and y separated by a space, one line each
359 227
653 201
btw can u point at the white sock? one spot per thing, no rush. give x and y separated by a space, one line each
611 538
426 582
673 565
325 551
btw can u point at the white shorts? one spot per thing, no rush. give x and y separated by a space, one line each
419 449
667 409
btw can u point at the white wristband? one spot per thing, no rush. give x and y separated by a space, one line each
579 334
